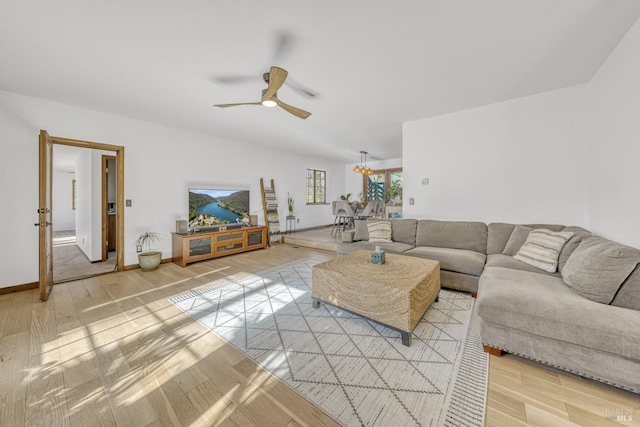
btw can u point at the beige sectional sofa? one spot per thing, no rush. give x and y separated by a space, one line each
584 317
460 246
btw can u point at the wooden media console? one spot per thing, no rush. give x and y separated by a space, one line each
188 248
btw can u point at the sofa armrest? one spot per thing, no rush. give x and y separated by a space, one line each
347 236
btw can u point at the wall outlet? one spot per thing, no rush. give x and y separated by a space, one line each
138 248
411 201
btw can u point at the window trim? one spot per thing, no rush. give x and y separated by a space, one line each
324 192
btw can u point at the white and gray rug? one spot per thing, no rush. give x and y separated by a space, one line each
354 369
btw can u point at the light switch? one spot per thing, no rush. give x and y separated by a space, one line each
411 200
127 203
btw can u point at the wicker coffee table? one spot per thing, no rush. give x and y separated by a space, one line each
395 294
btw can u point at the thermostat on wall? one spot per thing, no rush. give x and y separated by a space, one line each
425 181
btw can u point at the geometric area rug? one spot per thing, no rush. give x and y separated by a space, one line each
352 368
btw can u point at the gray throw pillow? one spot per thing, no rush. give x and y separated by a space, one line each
598 267
628 295
516 240
361 230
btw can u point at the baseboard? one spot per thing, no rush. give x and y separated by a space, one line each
136 266
19 288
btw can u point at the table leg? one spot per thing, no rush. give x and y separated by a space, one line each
406 338
316 303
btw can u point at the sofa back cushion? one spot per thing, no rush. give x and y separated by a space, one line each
579 234
598 268
500 232
628 295
467 235
404 230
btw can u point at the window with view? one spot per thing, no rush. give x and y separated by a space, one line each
384 184
316 186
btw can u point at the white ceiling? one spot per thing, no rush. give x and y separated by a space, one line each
374 64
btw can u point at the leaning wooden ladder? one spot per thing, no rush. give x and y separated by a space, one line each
270 205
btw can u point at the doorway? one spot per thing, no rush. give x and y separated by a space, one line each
87 209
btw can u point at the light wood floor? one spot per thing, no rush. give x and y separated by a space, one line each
112 350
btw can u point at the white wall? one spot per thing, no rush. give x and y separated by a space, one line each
157 174
84 206
522 160
614 136
64 217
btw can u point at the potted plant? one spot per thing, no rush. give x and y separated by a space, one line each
394 192
346 197
149 260
290 203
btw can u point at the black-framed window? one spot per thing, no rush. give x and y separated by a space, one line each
316 186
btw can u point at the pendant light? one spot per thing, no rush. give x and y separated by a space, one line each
362 167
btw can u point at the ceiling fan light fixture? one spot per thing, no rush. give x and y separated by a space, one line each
269 103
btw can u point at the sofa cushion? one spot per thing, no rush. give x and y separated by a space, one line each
517 239
404 230
379 231
471 236
507 261
598 267
542 249
579 234
628 295
459 260
392 248
542 305
361 230
500 232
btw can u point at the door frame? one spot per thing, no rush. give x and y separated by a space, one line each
119 150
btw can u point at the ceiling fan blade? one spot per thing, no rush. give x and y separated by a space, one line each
277 76
284 46
293 110
236 104
300 89
233 79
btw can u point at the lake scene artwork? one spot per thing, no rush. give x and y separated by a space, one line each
210 207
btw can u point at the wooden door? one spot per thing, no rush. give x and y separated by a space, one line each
109 222
45 215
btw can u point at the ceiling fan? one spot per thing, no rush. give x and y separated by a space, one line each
275 78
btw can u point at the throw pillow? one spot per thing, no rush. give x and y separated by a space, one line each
379 231
598 267
361 232
542 249
516 240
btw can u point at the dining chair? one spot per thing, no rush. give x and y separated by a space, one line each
344 217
